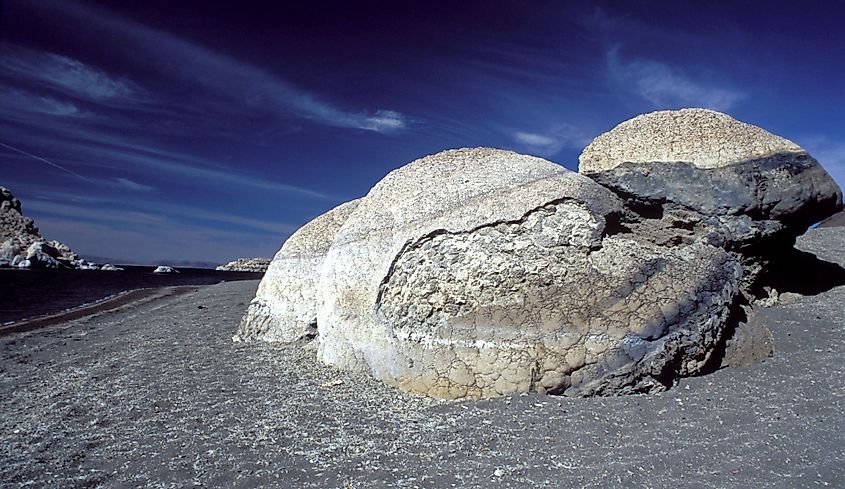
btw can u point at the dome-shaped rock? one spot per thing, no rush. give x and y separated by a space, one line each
743 181
480 272
285 306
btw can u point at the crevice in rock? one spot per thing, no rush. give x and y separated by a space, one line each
412 243
737 317
616 224
311 332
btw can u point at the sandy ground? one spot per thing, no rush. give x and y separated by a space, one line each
157 395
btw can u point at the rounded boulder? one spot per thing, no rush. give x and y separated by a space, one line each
480 272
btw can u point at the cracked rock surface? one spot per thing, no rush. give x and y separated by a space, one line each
480 272
285 306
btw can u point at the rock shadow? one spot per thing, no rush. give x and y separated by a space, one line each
802 273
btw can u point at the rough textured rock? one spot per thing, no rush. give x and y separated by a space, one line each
480 272
246 265
20 237
713 173
285 306
8 251
750 343
836 220
165 269
694 174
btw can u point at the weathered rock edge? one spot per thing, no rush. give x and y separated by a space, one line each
285 306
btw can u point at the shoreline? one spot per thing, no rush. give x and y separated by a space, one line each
29 294
128 298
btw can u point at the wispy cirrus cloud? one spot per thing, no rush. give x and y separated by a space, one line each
119 182
148 231
221 74
668 87
98 150
553 140
138 214
63 74
23 105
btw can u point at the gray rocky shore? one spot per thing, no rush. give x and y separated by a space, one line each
157 395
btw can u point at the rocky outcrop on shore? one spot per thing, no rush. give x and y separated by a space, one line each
21 243
480 272
165 269
246 265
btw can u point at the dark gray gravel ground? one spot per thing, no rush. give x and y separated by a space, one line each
157 395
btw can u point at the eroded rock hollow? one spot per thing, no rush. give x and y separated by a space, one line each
480 272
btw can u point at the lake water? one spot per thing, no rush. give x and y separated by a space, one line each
32 293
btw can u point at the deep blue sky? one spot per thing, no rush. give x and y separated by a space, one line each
183 131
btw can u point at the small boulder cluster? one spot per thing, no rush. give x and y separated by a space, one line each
246 265
480 272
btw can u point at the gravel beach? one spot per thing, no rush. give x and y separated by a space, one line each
156 394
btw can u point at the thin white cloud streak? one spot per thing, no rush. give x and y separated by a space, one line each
21 105
227 76
67 75
666 87
102 151
43 160
554 140
120 182
131 185
107 210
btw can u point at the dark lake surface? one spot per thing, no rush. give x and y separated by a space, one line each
32 293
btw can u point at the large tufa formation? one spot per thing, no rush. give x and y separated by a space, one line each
21 244
480 272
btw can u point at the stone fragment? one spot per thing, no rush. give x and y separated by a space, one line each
836 220
41 254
